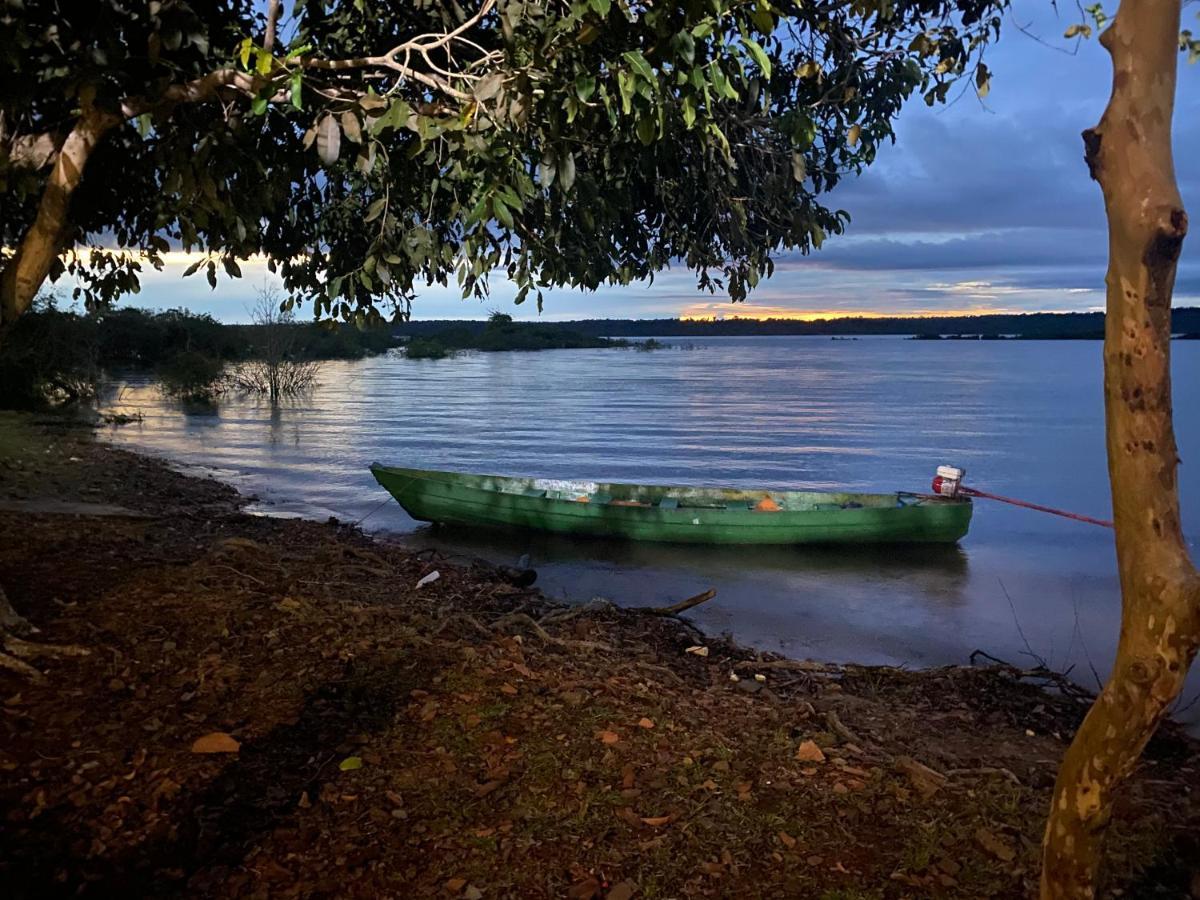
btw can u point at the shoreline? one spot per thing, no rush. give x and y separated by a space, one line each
474 737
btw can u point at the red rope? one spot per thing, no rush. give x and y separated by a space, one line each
972 492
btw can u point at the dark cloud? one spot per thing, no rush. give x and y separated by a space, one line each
987 250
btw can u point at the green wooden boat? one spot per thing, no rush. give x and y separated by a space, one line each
686 515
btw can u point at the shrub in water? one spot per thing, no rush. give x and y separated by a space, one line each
192 376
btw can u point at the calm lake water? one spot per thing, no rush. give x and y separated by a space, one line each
1024 418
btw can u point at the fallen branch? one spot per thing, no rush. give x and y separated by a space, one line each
681 606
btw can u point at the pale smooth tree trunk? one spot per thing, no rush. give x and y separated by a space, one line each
43 241
1129 154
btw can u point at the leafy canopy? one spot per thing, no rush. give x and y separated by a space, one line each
368 148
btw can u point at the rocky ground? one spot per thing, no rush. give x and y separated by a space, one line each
275 708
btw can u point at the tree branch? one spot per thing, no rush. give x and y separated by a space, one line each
273 11
43 240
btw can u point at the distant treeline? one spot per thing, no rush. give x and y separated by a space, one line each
60 354
500 333
1033 326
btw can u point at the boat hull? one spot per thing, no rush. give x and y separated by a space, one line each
633 512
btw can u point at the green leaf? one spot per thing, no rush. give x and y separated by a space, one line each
799 167
245 49
265 63
585 86
639 64
259 105
626 87
501 212
760 55
350 763
685 46
721 83
645 130
601 7
689 111
566 172
375 210
297 89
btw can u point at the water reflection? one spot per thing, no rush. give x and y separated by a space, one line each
944 567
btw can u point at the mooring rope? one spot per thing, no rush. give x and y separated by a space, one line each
1078 517
948 483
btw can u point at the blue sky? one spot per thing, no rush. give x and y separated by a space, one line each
978 206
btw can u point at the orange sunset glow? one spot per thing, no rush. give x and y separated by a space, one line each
699 311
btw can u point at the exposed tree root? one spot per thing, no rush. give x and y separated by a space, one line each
12 622
16 649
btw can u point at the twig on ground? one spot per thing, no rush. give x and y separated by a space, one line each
661 671
681 606
257 581
564 615
986 770
526 619
837 727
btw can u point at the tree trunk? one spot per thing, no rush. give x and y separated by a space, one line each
27 269
1129 153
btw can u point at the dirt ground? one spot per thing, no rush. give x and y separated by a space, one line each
274 708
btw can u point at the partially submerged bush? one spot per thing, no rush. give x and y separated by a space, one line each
275 378
277 367
49 357
425 348
192 376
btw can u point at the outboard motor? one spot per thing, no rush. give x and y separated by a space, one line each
948 480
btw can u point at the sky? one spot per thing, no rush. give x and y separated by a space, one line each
978 207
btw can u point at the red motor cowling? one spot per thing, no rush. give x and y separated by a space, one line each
948 480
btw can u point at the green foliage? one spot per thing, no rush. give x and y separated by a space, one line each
501 333
55 355
426 348
136 338
52 357
192 376
565 144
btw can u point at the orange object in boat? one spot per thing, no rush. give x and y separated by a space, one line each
583 499
766 504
